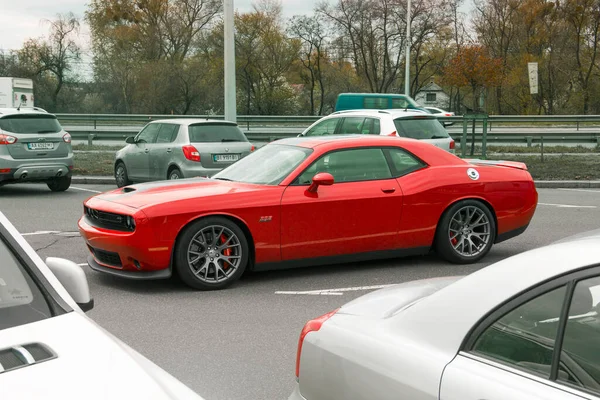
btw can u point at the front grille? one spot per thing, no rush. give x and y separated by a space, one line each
106 257
107 220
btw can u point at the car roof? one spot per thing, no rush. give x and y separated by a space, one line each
5 112
192 121
491 287
312 142
394 113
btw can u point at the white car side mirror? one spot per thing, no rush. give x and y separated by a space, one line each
72 277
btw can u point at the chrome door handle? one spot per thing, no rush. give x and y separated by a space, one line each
389 190
169 150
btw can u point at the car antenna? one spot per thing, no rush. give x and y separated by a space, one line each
19 108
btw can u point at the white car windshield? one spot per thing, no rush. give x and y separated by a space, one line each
268 165
21 300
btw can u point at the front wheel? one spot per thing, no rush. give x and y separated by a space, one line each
121 176
466 232
59 184
211 254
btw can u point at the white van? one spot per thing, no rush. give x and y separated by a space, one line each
16 92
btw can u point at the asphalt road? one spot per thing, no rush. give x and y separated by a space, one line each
241 343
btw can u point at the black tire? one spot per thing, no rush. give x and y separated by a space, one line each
174 173
191 273
59 184
449 247
121 176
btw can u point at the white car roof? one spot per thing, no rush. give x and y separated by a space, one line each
394 113
471 298
190 121
24 110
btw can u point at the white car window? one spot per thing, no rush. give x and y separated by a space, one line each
326 127
580 352
21 300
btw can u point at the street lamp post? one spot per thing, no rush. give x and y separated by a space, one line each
407 72
229 61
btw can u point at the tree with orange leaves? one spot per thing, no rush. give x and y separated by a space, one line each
472 67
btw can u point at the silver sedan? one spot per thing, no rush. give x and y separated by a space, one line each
525 328
180 148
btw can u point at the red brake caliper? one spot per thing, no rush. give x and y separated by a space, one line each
226 252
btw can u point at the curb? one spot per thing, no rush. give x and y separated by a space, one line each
109 180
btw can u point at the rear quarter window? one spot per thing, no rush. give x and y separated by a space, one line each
213 133
30 124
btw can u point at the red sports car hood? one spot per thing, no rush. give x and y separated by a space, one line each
148 194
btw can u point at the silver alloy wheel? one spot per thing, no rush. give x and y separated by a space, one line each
120 175
174 174
469 231
214 254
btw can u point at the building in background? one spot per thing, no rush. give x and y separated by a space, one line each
432 95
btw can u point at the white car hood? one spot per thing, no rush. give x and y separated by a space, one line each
91 364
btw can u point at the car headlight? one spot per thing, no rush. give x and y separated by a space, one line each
130 222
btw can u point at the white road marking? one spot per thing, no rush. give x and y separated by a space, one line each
564 205
85 190
39 233
334 292
59 233
582 190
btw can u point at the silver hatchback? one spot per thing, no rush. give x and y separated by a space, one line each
180 148
34 148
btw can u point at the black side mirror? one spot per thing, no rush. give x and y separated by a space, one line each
130 140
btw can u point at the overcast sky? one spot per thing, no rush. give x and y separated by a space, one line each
23 19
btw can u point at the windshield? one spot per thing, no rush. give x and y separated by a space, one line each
215 132
421 128
30 123
269 165
21 301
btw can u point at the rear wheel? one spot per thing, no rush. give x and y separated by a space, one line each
174 174
121 176
466 232
59 184
211 253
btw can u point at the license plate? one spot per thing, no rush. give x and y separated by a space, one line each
226 157
40 146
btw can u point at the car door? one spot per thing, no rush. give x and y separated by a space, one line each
351 126
359 213
137 159
545 348
161 153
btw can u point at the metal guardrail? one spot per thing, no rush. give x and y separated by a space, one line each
499 129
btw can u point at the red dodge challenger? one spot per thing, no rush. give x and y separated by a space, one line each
309 201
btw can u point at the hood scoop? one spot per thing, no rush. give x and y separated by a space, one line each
23 356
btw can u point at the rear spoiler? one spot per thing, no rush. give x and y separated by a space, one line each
499 163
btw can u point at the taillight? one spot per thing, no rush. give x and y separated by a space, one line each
451 144
252 148
393 133
7 139
191 153
311 326
67 137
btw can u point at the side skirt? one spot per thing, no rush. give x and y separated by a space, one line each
346 258
510 234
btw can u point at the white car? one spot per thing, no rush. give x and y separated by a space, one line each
525 328
439 112
407 123
49 349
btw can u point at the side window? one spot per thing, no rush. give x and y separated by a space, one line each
349 166
399 103
378 103
326 127
149 133
351 125
580 353
167 133
403 162
525 337
371 126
